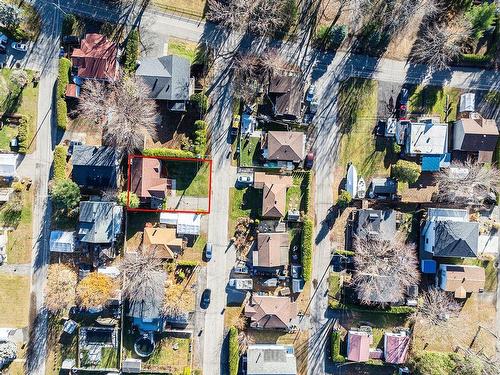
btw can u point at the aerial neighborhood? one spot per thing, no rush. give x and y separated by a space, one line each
255 187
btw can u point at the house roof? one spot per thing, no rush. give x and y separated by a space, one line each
95 166
396 347
100 222
166 76
8 165
274 193
358 346
63 242
148 308
270 312
382 289
383 186
427 139
272 250
96 58
285 146
461 279
146 180
456 239
378 222
479 134
271 359
286 94
163 242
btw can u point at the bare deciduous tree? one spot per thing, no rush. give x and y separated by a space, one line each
124 110
384 269
437 308
143 278
60 290
441 44
467 183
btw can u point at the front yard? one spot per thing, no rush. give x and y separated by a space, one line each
435 100
250 151
195 8
192 178
297 194
14 300
244 203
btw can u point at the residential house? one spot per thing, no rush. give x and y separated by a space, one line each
379 223
185 223
149 180
162 242
95 167
100 223
271 359
8 165
62 242
168 78
449 233
271 312
426 139
396 346
96 58
358 344
475 136
271 253
461 279
147 314
385 188
283 146
285 93
274 193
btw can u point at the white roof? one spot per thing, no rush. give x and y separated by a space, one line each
427 139
62 242
8 165
188 223
109 271
267 359
467 102
487 244
169 218
447 214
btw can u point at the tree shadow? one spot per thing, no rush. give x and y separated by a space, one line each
37 344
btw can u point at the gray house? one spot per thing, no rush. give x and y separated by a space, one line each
100 222
379 223
270 359
168 78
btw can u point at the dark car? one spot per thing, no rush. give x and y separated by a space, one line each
308 163
205 298
71 39
208 251
402 109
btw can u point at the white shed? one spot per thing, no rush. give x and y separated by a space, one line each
188 223
467 102
8 165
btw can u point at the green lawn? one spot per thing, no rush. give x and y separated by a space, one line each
431 100
200 243
15 100
192 178
334 289
182 48
195 8
358 114
250 150
109 359
244 203
296 195
14 300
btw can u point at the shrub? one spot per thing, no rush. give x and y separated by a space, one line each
62 113
187 371
307 245
65 194
22 136
60 162
63 76
436 363
344 199
133 199
234 353
168 152
474 60
406 171
131 52
187 263
344 252
18 186
335 344
481 17
396 148
200 138
200 100
330 38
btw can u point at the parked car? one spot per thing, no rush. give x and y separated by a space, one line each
205 298
23 47
309 162
208 251
71 39
235 126
402 109
310 93
244 179
3 42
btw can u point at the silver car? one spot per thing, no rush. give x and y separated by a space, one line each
23 47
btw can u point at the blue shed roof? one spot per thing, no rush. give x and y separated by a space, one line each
431 163
428 266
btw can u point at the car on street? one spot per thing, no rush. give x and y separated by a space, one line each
208 251
3 43
235 125
23 47
310 93
402 108
244 179
309 162
205 298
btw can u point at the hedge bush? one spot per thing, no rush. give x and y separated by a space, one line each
168 152
62 113
65 194
474 60
187 263
335 347
406 171
187 371
396 148
307 193
60 162
307 248
200 138
201 101
133 199
234 352
403 310
63 77
131 52
344 199
22 136
344 252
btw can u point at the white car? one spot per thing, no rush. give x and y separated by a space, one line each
20 46
245 179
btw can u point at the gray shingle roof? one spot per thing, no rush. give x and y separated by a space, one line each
456 239
267 359
381 223
166 76
96 156
100 222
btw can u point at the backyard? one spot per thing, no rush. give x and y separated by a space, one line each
296 195
109 359
14 300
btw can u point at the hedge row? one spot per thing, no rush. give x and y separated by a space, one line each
404 310
470 59
62 113
168 152
200 138
234 352
131 52
335 347
201 101
307 248
307 195
60 162
63 77
344 252
22 136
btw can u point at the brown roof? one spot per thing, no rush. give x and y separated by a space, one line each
284 146
480 126
163 242
96 58
270 312
146 180
71 91
274 194
479 134
286 94
272 250
462 279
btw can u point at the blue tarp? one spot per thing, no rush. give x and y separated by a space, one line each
428 266
431 163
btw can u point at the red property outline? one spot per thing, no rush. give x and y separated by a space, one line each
209 161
